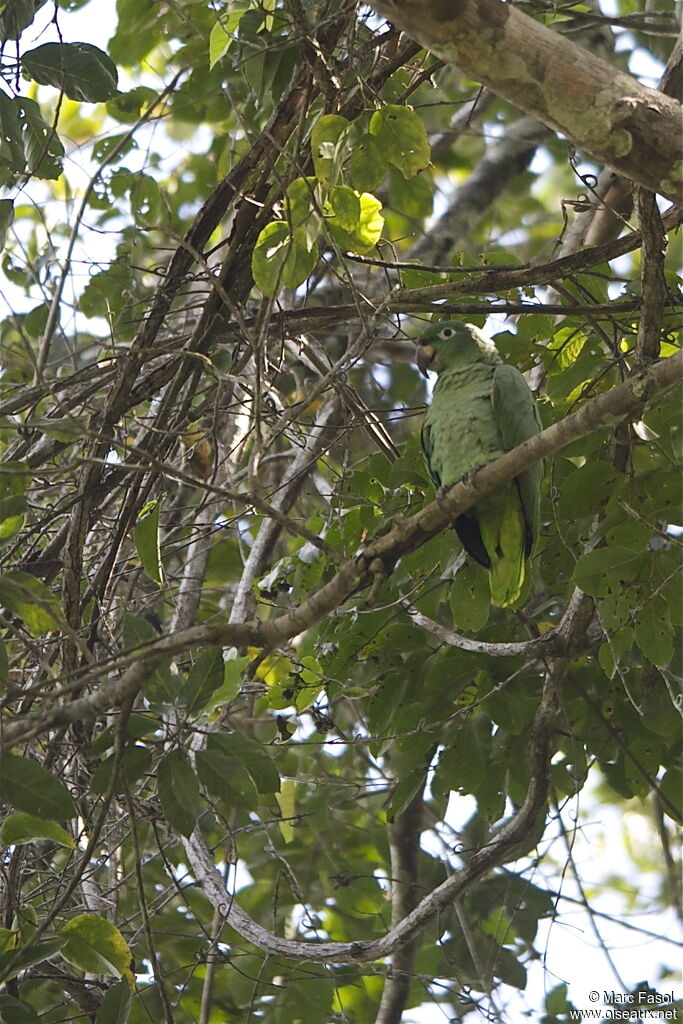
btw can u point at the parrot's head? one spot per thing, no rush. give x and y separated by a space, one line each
450 343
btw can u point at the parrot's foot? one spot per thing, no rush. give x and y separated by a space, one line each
470 477
442 493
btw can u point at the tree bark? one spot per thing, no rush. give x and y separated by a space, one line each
633 129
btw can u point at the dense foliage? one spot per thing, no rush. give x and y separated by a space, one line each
236 752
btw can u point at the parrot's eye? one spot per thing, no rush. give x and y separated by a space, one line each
447 332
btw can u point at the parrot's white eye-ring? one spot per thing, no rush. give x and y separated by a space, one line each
447 332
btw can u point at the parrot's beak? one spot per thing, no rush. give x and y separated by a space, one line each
425 358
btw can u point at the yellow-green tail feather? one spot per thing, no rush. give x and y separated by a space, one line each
501 524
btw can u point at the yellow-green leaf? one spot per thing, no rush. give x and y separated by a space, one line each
31 600
222 35
146 536
95 945
14 480
368 231
286 799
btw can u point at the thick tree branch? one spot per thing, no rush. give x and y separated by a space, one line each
375 560
633 129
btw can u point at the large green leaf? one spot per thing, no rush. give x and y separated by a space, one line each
328 138
205 677
19 829
135 762
15 1011
402 136
607 570
27 786
116 1005
82 71
42 145
178 790
252 756
281 259
20 959
29 598
14 480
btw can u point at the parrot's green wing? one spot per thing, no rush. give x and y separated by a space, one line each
426 445
517 419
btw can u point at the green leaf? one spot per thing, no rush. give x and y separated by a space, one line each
206 676
95 945
19 829
281 259
32 601
136 761
346 206
469 598
607 570
146 203
222 36
15 16
146 536
15 1011
11 141
6 219
226 779
162 686
412 197
610 652
671 787
82 71
42 146
368 231
403 138
116 1005
61 428
36 954
252 757
178 789
328 138
15 478
405 790
25 785
232 681
654 633
303 210
368 164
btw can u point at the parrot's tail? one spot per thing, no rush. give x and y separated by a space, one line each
502 527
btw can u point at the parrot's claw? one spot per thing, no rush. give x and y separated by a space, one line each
470 477
442 493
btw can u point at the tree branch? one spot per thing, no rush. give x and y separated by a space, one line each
501 848
355 574
633 129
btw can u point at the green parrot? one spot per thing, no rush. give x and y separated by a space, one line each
480 409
